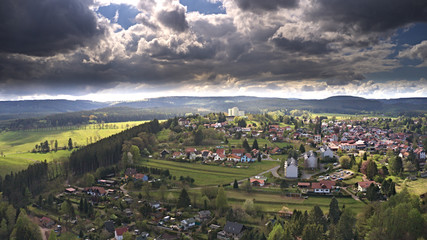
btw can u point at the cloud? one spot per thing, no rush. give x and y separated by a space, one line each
266 5
174 19
46 27
366 16
254 45
418 51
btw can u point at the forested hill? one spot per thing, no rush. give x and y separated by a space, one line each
33 108
63 112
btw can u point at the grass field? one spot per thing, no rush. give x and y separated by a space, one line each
416 187
210 175
17 145
273 202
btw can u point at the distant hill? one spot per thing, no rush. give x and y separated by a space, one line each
34 108
170 106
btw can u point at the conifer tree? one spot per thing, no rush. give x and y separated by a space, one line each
183 200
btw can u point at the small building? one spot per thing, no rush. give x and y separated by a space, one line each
70 190
291 168
363 186
232 230
238 152
118 233
204 215
258 181
324 186
188 223
130 173
317 138
326 152
164 153
47 222
141 177
95 191
247 158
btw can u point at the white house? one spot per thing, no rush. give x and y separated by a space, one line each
291 168
317 138
326 152
322 186
310 159
363 186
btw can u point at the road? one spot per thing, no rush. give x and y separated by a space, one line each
122 187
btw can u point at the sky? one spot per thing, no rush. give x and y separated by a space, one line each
110 50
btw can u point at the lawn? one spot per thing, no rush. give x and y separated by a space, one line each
271 202
17 145
416 187
205 175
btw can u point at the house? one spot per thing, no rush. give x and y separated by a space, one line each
140 176
304 184
204 215
233 157
317 138
326 152
258 181
238 152
70 190
176 154
118 233
363 186
191 153
183 122
219 157
276 150
109 226
231 230
310 159
130 172
246 158
347 146
188 223
164 153
95 191
291 168
47 222
323 186
206 154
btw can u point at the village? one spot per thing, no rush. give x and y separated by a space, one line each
305 165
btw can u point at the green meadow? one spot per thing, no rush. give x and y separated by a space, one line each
205 175
16 146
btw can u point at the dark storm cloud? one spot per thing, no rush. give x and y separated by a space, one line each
174 19
302 46
367 16
266 5
45 27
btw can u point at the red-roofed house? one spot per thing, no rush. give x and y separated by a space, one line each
322 186
363 186
233 157
238 152
118 233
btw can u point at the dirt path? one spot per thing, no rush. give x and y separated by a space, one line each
45 231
